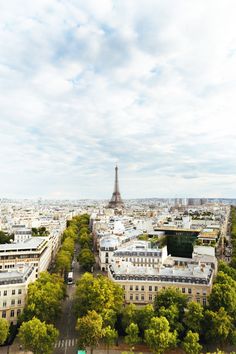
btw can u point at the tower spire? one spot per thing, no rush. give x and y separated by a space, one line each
116 201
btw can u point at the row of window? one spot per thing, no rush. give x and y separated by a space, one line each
142 260
138 297
13 302
155 288
12 314
13 292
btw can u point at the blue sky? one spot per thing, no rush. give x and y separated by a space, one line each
150 85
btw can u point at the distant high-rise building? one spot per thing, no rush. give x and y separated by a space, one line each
116 201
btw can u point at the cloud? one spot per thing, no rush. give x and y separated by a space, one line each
148 85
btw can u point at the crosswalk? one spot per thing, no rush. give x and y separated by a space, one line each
64 343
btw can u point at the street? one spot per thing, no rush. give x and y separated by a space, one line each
67 341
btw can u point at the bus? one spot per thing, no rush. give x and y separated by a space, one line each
70 278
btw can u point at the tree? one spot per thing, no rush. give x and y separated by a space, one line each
89 330
85 240
86 259
132 337
5 238
158 337
143 317
218 326
68 245
129 315
193 317
63 261
4 330
191 343
223 294
38 336
170 296
97 293
172 315
44 297
109 336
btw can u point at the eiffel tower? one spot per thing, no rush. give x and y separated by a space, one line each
116 201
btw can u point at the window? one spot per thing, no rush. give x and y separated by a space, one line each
142 287
18 312
142 297
19 301
12 313
189 290
13 292
4 304
13 302
150 288
131 297
198 299
136 287
183 290
19 291
131 287
5 293
136 297
156 288
4 314
204 302
150 297
123 286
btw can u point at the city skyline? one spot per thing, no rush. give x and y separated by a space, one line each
146 85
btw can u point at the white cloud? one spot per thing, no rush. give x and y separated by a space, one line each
147 84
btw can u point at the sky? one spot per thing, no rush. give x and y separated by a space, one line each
149 85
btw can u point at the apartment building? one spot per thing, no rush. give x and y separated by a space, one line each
142 271
13 289
36 251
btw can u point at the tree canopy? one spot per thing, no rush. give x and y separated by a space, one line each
44 297
4 330
38 336
98 294
158 336
90 330
191 343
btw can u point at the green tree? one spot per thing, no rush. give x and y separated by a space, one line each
170 296
63 261
132 336
218 326
97 293
143 316
38 336
129 315
85 241
194 316
158 337
109 317
4 330
223 294
44 297
191 343
90 330
110 336
172 314
68 245
86 259
5 238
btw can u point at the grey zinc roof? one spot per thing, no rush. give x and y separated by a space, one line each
31 243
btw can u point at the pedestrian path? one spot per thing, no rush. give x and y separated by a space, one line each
64 343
